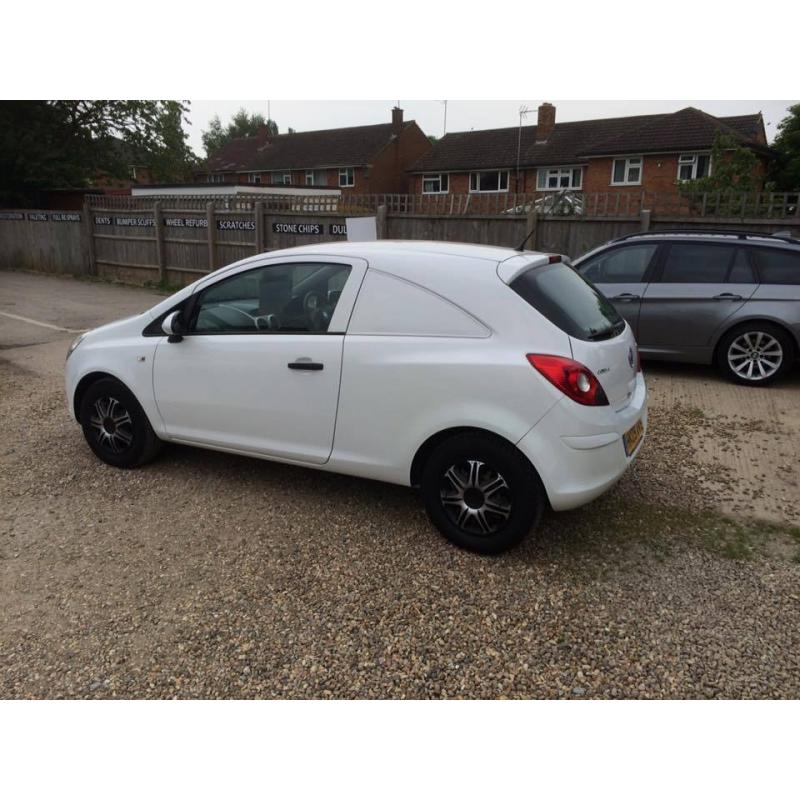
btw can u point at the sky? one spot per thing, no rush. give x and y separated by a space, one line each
462 115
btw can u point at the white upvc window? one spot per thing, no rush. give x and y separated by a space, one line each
489 181
215 177
254 177
693 165
627 171
438 183
347 176
554 178
282 178
310 177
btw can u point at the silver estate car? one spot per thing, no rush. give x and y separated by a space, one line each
709 297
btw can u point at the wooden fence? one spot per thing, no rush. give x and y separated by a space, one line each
611 204
175 240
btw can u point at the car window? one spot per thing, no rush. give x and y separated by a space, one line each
697 263
741 271
626 264
284 298
564 297
778 266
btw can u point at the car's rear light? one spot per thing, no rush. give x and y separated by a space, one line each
576 381
554 259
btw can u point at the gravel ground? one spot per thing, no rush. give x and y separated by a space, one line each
208 575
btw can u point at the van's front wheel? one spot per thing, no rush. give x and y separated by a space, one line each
115 425
481 492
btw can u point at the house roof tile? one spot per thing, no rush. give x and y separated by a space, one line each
573 142
337 147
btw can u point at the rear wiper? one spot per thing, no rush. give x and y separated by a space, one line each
596 336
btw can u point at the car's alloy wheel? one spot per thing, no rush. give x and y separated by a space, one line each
112 424
481 492
115 425
756 353
755 356
476 497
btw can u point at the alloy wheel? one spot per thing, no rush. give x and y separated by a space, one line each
755 355
476 497
112 424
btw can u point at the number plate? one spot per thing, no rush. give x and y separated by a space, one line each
632 438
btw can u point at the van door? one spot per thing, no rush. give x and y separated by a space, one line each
259 366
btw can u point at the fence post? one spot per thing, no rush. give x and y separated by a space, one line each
644 219
161 260
211 217
88 233
258 211
380 221
531 226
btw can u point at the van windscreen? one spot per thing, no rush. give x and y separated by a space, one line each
560 294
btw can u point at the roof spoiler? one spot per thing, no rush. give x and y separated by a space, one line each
513 267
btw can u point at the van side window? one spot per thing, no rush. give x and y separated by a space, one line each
281 298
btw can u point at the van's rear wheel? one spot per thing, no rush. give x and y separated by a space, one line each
481 492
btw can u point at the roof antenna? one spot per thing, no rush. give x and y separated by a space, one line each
522 244
523 111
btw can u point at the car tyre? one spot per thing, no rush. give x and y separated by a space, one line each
755 353
115 425
481 492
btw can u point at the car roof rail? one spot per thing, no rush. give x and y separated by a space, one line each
785 236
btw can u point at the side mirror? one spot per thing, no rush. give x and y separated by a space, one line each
173 327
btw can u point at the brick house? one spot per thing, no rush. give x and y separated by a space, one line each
368 159
650 153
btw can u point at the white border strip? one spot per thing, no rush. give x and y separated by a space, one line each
42 324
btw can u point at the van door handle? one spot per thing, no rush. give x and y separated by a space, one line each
311 366
727 296
626 297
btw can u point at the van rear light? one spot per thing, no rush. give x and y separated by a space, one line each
576 381
554 260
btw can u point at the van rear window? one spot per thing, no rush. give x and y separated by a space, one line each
559 293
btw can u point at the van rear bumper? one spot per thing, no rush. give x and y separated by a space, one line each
578 450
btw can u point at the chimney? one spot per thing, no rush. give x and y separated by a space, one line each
546 122
397 121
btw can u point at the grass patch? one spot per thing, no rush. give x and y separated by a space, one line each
609 528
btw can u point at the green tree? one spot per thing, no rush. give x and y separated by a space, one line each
733 168
215 137
786 172
168 153
70 143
